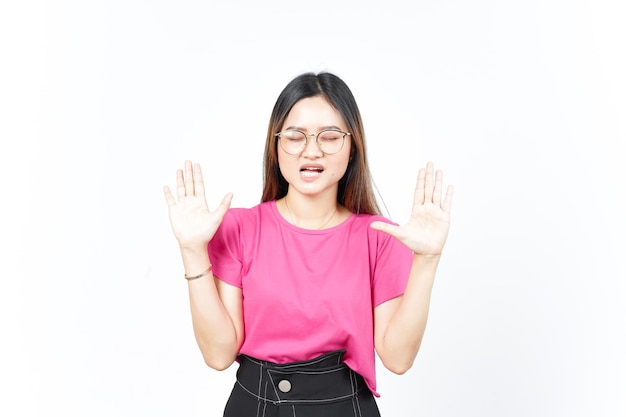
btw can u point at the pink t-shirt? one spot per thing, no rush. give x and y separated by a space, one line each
308 292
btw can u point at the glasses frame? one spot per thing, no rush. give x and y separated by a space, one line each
317 135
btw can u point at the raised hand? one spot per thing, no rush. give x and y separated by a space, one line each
192 221
427 229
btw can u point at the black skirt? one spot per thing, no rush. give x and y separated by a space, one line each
321 387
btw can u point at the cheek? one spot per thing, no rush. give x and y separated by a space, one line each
339 169
285 163
341 165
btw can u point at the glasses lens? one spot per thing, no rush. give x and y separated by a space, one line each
330 141
292 141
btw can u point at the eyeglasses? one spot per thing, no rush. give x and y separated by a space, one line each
330 141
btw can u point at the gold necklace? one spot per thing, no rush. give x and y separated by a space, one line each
293 221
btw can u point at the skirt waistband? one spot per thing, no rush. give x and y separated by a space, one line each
319 380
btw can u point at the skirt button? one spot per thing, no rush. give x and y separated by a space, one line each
284 385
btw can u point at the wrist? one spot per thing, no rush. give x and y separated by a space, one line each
426 258
195 259
193 249
205 273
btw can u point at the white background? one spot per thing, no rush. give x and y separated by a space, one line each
522 103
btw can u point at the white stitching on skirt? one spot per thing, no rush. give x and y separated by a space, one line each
352 386
258 406
273 384
356 397
265 402
292 401
358 404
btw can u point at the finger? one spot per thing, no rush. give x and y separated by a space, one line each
188 179
418 195
429 183
180 184
169 198
438 184
198 182
390 229
221 210
447 201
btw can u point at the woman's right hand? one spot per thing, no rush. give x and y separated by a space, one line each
192 222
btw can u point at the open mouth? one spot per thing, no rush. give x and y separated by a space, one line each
311 171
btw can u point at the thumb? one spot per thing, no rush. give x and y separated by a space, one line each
390 229
224 205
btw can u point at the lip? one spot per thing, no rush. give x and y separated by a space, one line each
310 172
314 167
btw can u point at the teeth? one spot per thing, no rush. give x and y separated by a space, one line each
310 173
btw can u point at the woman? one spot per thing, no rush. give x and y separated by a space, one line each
301 289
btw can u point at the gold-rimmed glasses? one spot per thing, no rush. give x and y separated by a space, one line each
330 141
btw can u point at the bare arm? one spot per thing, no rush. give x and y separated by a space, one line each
215 306
216 313
400 323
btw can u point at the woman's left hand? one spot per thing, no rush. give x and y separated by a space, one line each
427 229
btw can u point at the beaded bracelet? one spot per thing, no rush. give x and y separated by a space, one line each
203 274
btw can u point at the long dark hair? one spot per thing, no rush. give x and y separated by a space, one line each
355 187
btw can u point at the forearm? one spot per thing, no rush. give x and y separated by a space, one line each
213 327
406 327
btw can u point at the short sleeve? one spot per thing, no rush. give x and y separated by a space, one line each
391 265
225 251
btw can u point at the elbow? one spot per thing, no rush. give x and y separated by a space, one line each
218 356
399 368
220 361
218 364
398 361
399 356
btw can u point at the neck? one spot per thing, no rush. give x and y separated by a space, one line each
310 214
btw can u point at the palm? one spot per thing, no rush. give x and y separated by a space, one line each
191 220
427 228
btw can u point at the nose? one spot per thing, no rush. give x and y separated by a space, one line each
312 149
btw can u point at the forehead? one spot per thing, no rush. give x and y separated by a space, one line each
312 113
